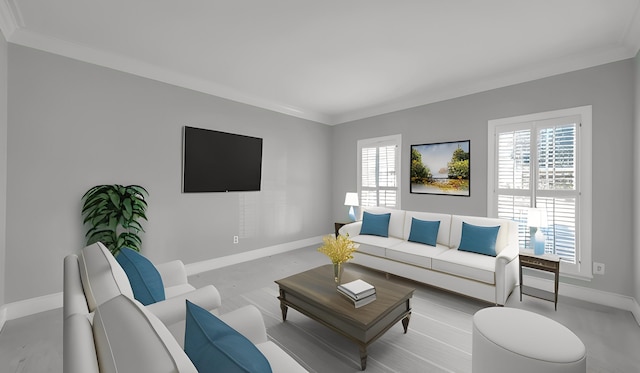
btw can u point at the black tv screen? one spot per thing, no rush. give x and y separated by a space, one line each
215 161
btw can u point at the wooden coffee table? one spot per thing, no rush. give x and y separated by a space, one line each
313 293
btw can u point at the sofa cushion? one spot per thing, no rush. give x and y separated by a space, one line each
129 338
375 245
502 240
214 346
415 253
424 231
102 277
396 222
477 239
465 264
144 278
443 231
375 224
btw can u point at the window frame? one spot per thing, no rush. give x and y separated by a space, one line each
377 142
583 267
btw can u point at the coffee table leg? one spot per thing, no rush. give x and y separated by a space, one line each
405 323
283 306
363 357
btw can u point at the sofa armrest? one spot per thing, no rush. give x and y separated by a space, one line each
351 229
507 254
173 273
247 321
506 272
173 310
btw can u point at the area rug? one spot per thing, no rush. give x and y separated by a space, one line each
438 339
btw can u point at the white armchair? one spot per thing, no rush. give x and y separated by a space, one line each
103 279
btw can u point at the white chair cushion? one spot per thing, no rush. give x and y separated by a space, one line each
102 277
130 339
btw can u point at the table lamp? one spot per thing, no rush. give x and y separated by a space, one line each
537 218
351 199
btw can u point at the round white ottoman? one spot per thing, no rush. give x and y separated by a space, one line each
512 340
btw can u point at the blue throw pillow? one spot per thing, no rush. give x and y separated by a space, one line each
144 278
476 239
214 346
375 224
424 231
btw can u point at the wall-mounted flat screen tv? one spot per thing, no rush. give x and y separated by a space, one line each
215 161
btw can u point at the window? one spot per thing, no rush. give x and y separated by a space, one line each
544 160
379 171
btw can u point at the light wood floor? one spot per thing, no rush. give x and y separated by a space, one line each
33 344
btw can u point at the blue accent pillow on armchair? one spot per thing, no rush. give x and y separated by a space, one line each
424 231
375 224
214 346
144 278
477 239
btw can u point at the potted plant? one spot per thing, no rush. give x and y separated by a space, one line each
339 250
113 213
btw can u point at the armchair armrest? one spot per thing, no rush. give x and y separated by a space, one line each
351 229
74 300
247 321
173 273
173 310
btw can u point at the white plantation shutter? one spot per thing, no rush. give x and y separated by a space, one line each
536 163
379 170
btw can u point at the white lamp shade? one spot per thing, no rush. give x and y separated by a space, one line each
351 199
537 217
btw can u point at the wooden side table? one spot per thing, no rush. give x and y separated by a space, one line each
339 225
547 263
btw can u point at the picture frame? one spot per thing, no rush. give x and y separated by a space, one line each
442 168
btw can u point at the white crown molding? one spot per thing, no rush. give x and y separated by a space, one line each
561 66
28 38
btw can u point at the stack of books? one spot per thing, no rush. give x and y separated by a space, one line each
359 292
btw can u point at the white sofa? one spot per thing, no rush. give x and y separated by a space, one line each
106 330
484 277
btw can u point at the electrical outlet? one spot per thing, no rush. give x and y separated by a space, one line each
235 239
598 268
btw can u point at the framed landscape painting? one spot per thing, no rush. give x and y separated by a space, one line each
441 168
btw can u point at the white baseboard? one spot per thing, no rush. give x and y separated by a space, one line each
604 298
28 307
31 306
211 264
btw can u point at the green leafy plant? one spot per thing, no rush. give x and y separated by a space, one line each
113 213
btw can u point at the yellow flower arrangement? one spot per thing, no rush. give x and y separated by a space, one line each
338 249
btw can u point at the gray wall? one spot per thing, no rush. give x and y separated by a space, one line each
636 189
3 160
608 88
73 125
